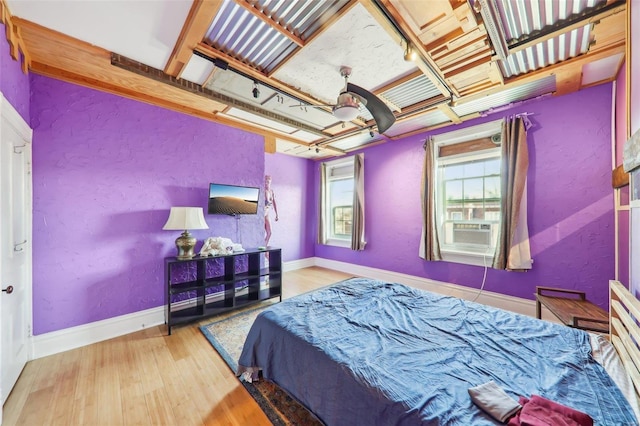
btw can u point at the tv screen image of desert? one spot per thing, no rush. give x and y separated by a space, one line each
233 200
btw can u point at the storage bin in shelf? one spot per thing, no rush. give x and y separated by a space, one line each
205 286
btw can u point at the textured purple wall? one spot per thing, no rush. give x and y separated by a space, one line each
570 203
289 176
14 84
106 170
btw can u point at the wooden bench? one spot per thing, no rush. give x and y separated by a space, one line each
572 309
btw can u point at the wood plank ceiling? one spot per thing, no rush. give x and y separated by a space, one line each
433 63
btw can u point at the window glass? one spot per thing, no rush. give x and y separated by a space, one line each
468 208
340 207
338 204
473 188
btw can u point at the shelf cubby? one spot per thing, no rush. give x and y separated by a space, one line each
201 287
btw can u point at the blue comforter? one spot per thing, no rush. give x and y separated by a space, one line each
366 352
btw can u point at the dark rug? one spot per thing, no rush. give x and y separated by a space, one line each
227 336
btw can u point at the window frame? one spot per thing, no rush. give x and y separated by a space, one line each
329 238
461 254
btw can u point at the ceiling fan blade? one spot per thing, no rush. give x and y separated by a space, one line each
379 110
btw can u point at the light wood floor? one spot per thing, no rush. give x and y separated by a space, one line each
144 378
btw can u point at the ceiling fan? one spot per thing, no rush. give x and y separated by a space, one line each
352 98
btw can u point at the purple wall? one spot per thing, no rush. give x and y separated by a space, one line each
106 170
570 203
14 84
289 177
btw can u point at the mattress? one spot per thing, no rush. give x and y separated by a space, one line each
370 352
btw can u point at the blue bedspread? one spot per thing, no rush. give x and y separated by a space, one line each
365 352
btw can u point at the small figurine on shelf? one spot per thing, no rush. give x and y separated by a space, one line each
214 246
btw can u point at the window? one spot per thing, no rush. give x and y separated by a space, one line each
338 202
342 221
467 194
469 202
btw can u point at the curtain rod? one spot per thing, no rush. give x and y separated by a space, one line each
524 115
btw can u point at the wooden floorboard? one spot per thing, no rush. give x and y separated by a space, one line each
144 378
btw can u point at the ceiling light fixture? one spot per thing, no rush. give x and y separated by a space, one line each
255 91
347 107
410 53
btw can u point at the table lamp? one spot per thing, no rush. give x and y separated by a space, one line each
185 218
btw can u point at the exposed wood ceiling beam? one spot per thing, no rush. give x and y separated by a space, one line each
64 58
446 110
193 32
160 77
568 80
14 38
115 89
252 9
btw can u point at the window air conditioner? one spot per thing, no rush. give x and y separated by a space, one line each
472 233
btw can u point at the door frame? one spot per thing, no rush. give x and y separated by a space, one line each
10 116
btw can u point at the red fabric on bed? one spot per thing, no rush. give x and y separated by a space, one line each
539 411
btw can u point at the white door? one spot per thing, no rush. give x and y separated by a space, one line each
15 247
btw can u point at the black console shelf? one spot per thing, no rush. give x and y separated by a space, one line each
239 279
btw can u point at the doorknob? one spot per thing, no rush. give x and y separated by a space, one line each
8 290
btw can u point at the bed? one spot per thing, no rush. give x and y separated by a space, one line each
367 352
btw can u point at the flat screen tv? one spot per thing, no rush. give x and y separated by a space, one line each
232 199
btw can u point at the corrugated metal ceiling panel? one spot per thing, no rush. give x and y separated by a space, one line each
422 122
506 97
356 141
411 92
557 49
246 37
301 17
525 17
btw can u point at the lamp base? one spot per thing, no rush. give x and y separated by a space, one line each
185 244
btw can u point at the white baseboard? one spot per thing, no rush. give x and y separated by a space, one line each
298 264
82 335
75 337
510 303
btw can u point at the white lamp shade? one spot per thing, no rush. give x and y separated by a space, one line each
183 218
346 112
347 107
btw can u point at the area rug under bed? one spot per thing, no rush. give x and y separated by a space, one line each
227 337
